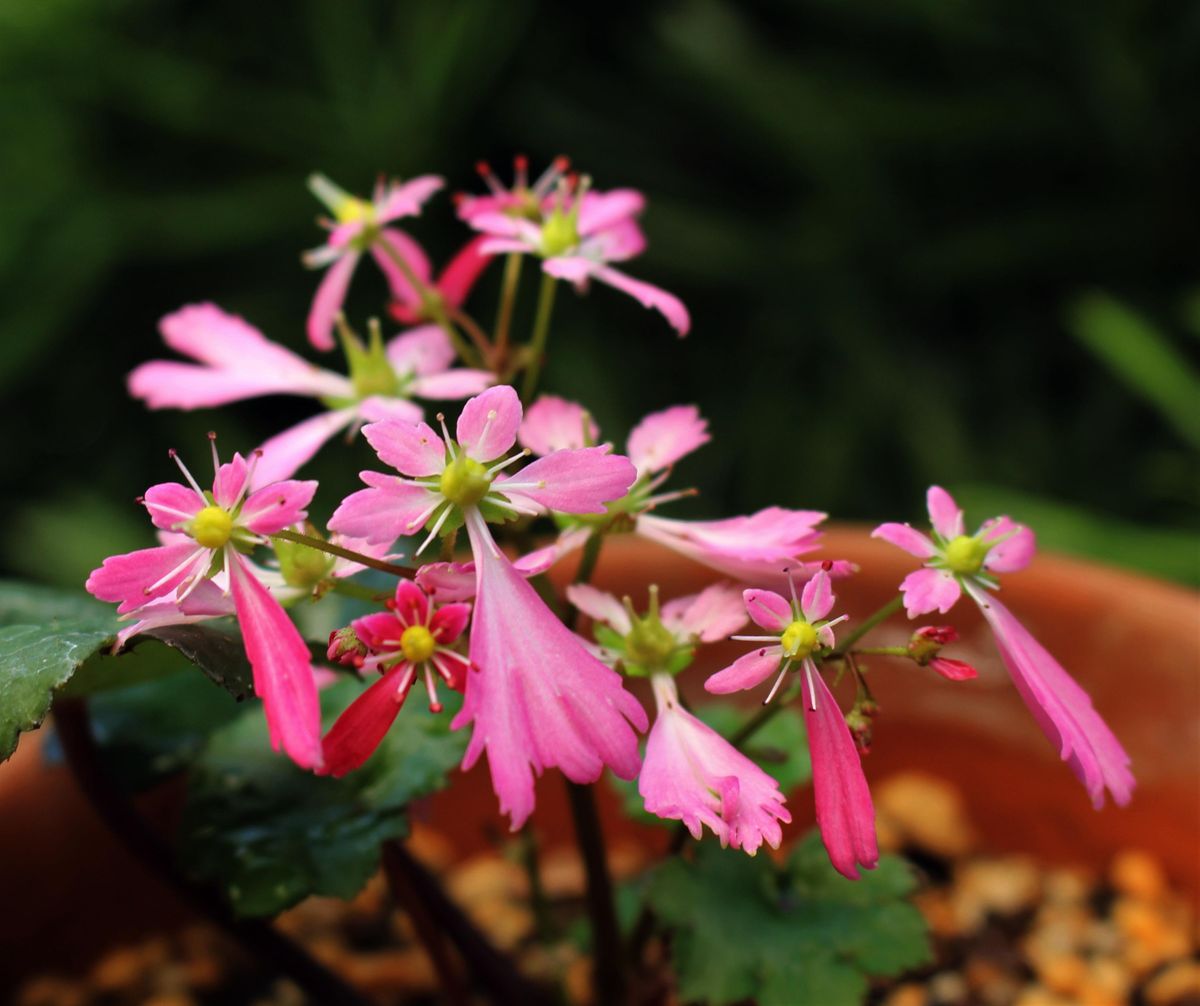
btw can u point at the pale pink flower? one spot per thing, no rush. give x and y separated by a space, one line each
800 627
536 697
957 562
576 232
692 774
213 529
359 227
762 548
413 639
235 361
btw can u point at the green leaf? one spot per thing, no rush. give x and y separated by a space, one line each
45 637
745 928
220 656
271 834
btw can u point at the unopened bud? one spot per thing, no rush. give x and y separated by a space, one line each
928 640
345 647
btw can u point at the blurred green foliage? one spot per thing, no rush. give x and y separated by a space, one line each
883 215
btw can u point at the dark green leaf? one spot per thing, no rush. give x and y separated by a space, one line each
745 928
270 834
220 656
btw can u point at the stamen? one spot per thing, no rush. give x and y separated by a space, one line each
658 500
255 457
487 425
521 172
792 587
756 639
434 532
500 466
416 522
441 418
809 666
549 178
778 681
212 442
434 705
191 557
489 177
187 475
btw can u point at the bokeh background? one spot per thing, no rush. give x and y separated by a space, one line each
921 241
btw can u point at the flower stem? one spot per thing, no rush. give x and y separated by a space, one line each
324 546
508 301
266 946
536 349
866 626
881 651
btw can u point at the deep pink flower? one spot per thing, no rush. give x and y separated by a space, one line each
692 774
214 531
537 698
414 639
762 548
235 361
956 562
925 648
448 290
358 227
576 232
797 629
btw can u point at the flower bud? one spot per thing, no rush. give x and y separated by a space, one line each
345 647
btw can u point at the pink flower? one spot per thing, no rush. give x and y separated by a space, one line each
577 233
213 531
235 361
758 548
956 562
448 291
413 639
537 698
799 628
692 774
358 227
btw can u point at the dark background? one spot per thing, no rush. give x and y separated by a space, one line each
920 240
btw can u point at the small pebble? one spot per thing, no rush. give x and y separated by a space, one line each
907 994
1176 984
927 811
1138 875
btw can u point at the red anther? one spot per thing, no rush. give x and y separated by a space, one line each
458 198
390 604
171 453
436 707
139 499
560 163
573 181
212 434
483 168
521 163
357 661
827 565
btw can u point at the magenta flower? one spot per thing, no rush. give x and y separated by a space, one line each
537 697
799 627
692 774
577 233
414 639
235 361
358 227
753 549
957 562
215 530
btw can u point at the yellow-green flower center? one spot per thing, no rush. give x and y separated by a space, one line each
212 527
559 233
799 639
417 643
465 481
965 555
649 643
352 210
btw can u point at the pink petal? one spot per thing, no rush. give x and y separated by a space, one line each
412 606
206 601
164 384
845 814
554 424
816 601
406 199
364 724
602 210
953 670
411 252
1015 548
768 609
506 246
447 581
379 631
285 453
448 622
619 243
710 615
927 590
453 384
283 674
599 606
662 438
670 306
422 350
577 717
541 559
487 426
574 268
579 481
227 342
413 449
462 272
906 537
944 514
230 481
775 535
276 506
135 578
747 671
381 514
171 504
1062 709
379 408
331 295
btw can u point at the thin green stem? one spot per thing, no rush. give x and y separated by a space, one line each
866 626
508 301
536 349
344 553
881 651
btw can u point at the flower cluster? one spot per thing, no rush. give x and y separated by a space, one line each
471 522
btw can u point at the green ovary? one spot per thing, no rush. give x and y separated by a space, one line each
965 555
799 639
212 527
418 644
559 233
649 643
465 481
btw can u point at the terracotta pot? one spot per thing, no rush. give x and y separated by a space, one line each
1132 642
